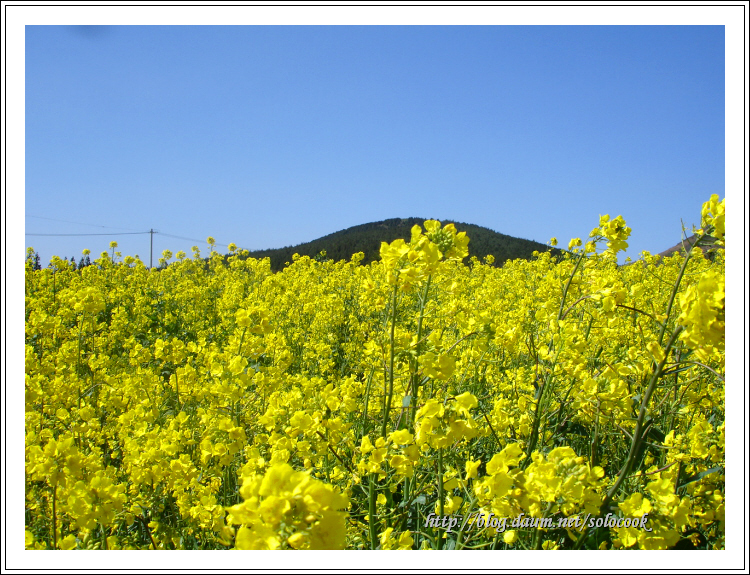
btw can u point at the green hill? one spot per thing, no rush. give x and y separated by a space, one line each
682 246
367 238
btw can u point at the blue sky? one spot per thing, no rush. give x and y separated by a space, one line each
269 136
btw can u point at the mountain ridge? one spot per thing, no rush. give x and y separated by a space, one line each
686 243
367 238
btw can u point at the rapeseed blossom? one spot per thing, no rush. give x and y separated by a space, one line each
213 404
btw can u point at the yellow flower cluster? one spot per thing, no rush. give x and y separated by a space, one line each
439 426
211 404
702 314
418 259
712 217
615 231
284 508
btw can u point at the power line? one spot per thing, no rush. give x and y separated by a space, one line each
127 234
181 237
190 239
110 234
77 223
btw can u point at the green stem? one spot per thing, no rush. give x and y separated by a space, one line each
415 374
242 339
581 257
93 350
641 417
389 391
676 287
538 535
80 338
411 413
541 406
637 439
144 522
637 433
460 536
365 426
595 439
54 517
535 425
441 495
371 516
177 391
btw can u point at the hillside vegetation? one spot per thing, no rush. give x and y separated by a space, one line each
367 238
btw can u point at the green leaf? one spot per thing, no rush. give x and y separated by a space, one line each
699 476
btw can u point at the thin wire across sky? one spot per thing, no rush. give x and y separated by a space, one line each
109 233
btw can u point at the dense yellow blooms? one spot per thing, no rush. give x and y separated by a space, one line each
702 307
212 404
284 508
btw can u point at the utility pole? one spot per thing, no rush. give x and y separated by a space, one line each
151 257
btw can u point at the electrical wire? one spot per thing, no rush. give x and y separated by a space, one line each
77 223
190 239
181 237
122 234
110 234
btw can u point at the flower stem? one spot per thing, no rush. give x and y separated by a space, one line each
389 392
415 375
371 516
54 517
441 495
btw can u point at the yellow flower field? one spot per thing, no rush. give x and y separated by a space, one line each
212 404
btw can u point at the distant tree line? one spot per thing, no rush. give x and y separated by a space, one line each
33 259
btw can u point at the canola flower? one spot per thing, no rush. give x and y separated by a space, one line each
212 404
286 500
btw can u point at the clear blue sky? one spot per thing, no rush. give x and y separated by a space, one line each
269 136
